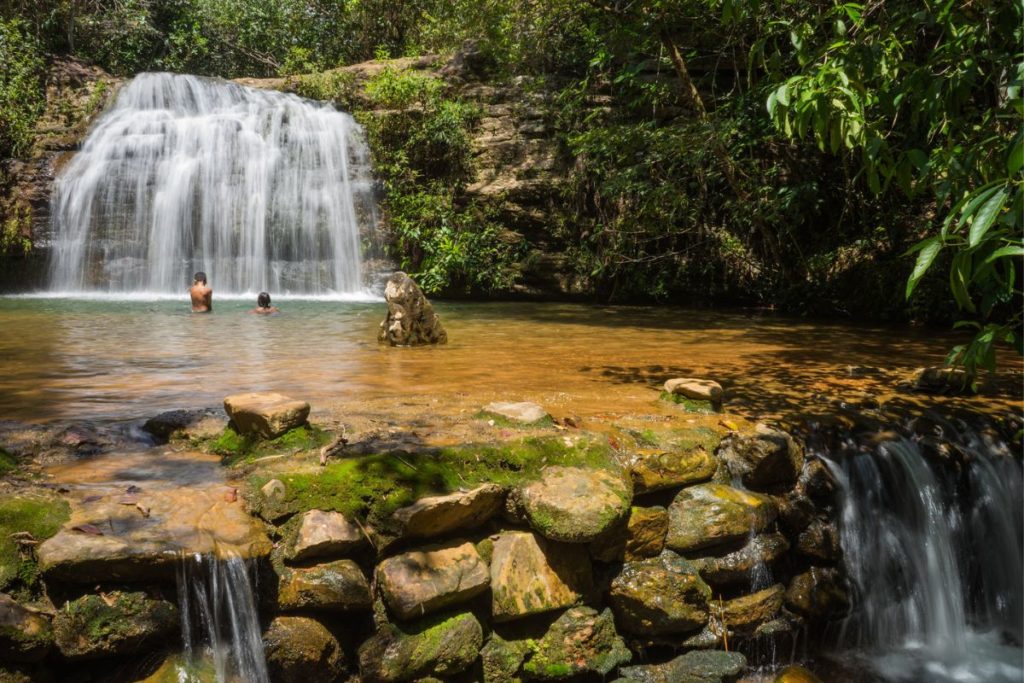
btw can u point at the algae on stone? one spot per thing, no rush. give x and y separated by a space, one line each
440 646
581 640
39 514
116 623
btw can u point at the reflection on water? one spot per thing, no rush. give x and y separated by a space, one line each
78 359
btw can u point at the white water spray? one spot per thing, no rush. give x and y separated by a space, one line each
259 189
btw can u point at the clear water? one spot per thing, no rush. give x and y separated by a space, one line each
259 189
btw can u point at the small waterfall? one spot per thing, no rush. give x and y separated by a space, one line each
934 552
219 618
259 189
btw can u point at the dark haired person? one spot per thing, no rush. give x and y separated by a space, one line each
201 294
263 306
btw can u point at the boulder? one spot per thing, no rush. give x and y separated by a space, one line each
581 641
657 471
939 380
522 413
530 575
712 514
642 536
266 415
440 646
659 596
695 389
190 422
711 666
747 612
323 534
818 483
820 541
411 320
765 459
25 635
460 511
818 593
502 658
796 674
427 580
112 624
575 505
334 586
738 566
300 650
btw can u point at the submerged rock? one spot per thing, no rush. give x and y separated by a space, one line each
735 567
115 623
658 596
713 514
530 575
332 586
427 580
657 471
580 641
441 647
696 389
411 320
324 535
25 636
266 415
575 505
522 413
440 515
818 593
768 457
301 650
711 666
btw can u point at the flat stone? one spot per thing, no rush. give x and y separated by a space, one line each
423 581
300 650
581 641
411 320
25 636
266 415
324 535
642 536
660 470
696 389
712 514
523 413
334 586
116 623
736 568
818 593
765 459
659 596
460 511
530 575
439 647
747 612
711 666
134 547
575 505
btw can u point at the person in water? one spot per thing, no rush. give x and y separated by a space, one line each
201 294
263 306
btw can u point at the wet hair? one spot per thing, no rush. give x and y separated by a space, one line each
263 300
200 277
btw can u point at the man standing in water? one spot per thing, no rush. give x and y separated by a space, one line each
201 294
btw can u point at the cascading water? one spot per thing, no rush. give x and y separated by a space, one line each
259 189
219 619
934 553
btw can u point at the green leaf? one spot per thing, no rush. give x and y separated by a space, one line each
929 249
959 276
986 216
1003 252
1015 159
782 94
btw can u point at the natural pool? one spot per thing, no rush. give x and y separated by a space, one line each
64 359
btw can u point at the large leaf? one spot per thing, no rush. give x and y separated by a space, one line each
928 249
1015 159
1002 252
986 216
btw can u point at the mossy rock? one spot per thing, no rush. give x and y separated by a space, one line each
502 658
441 647
690 405
580 641
116 623
25 636
37 513
238 448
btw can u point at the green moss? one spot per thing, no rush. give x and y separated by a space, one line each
41 515
8 463
236 448
689 404
374 486
502 421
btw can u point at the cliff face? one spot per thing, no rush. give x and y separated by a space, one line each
75 95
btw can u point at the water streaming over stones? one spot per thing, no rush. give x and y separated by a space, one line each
260 190
219 618
933 546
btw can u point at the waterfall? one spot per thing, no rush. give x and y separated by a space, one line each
260 190
219 618
934 553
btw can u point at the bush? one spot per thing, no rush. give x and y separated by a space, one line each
21 88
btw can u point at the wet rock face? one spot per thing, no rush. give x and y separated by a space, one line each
300 650
416 583
332 586
530 575
642 536
265 415
580 641
116 623
744 614
439 515
658 596
659 471
324 535
411 320
763 460
692 667
818 593
575 505
25 636
713 514
435 647
734 568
